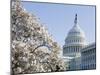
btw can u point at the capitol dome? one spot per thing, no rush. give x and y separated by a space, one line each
74 41
75 35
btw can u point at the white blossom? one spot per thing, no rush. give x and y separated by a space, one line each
31 48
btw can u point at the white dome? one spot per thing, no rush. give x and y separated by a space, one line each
76 31
75 35
74 41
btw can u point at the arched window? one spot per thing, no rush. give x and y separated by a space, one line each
68 49
76 48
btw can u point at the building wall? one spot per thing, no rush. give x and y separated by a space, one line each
86 60
88 57
74 64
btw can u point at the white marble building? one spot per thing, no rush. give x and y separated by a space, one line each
88 57
75 43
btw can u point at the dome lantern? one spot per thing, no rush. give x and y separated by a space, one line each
75 21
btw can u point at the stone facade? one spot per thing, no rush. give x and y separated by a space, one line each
88 57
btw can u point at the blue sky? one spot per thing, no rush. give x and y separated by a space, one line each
59 18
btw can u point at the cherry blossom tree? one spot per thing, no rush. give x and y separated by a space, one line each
32 48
